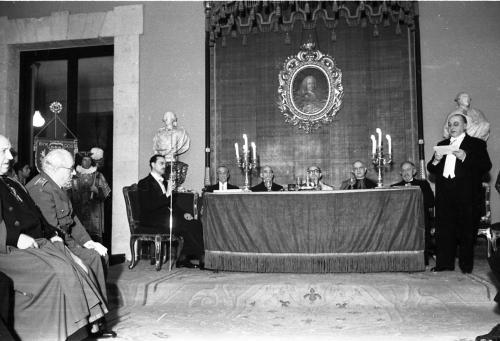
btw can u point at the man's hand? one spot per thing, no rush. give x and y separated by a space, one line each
26 242
460 154
56 239
101 250
437 156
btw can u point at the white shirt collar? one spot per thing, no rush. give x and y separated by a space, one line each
157 177
458 138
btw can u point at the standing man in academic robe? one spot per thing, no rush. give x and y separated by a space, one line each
457 175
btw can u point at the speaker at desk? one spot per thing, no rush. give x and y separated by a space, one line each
186 202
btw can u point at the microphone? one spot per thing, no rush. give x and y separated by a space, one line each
352 181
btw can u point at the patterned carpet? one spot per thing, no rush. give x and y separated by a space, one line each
189 304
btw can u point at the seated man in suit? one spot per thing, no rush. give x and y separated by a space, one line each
56 295
358 179
222 181
315 178
154 199
408 172
267 183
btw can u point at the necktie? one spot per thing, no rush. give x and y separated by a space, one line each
449 164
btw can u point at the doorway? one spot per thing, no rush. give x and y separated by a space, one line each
81 79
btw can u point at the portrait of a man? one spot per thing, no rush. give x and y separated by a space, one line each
310 91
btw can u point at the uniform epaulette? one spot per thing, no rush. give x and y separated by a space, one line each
41 181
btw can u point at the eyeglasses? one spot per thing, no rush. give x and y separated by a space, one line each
309 171
70 168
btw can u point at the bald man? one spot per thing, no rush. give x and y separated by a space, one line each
267 184
358 179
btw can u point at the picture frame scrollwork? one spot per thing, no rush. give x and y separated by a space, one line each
310 89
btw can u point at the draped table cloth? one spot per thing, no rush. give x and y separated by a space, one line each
315 232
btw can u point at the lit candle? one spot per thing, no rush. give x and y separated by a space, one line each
374 144
254 151
389 143
245 145
237 150
379 134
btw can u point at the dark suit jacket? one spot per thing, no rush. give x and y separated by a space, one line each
216 187
262 188
154 205
424 187
468 174
20 213
360 184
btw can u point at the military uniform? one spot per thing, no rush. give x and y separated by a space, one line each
53 296
57 210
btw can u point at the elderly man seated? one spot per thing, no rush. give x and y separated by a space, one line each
222 181
56 295
358 179
315 179
267 184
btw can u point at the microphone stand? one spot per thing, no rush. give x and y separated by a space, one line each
171 220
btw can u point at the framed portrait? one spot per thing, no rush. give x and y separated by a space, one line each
310 89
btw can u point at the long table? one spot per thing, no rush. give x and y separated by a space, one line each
315 232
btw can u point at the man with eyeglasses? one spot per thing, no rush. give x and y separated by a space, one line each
315 179
48 190
358 179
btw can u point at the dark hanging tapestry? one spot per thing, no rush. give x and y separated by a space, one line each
372 43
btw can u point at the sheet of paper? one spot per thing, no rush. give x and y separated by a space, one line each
444 150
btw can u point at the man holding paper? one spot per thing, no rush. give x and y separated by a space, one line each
458 165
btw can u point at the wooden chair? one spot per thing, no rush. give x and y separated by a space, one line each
161 241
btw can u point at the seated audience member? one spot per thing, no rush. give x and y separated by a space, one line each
55 297
48 190
222 181
358 179
315 178
408 172
267 183
22 172
154 199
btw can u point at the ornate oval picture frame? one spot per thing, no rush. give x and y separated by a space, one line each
310 89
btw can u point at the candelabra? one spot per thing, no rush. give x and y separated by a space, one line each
246 163
380 161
